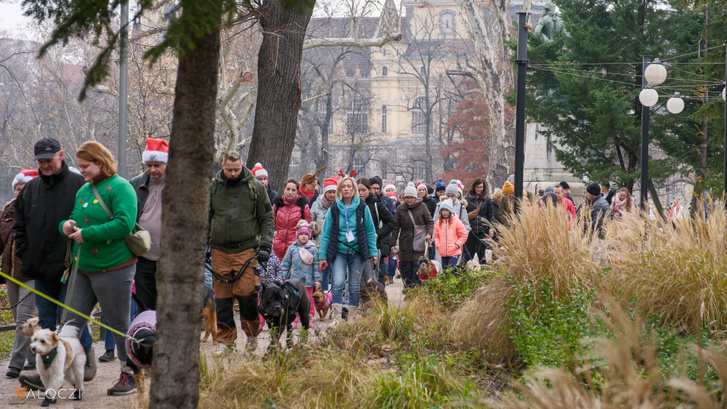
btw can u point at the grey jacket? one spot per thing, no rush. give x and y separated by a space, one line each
318 214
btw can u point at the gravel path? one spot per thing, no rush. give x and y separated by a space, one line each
95 391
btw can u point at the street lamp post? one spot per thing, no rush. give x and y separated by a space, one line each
646 59
123 169
522 62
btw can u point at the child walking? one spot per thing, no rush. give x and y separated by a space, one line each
449 235
301 262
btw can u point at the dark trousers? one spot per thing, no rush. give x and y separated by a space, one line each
145 282
49 313
409 273
475 246
381 273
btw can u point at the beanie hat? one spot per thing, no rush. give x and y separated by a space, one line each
421 185
156 150
594 189
302 228
508 188
439 185
25 176
389 186
565 185
447 204
430 190
376 181
549 189
259 171
410 190
550 197
451 188
330 184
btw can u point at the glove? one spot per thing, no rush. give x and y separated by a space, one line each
263 254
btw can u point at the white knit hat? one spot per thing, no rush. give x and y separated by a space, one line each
156 150
410 190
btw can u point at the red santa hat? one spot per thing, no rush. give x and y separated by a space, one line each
156 150
259 171
389 186
25 176
421 185
330 184
460 187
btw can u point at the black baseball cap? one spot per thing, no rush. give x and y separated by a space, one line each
46 148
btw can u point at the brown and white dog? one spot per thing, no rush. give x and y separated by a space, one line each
56 359
209 314
322 301
30 327
428 268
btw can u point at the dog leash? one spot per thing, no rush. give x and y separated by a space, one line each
71 285
225 280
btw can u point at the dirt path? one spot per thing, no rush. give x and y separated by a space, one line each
95 391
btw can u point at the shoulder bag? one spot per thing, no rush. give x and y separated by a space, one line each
420 235
139 241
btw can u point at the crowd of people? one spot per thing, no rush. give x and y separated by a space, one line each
332 237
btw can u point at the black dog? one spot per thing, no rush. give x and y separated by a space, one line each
278 305
372 290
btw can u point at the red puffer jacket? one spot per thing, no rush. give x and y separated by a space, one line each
287 215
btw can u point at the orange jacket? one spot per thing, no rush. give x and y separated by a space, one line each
447 234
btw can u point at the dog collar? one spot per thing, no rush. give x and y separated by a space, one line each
48 359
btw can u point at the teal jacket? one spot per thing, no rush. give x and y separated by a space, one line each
348 212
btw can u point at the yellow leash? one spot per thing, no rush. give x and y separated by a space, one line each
20 283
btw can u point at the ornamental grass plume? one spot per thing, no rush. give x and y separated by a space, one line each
539 244
675 269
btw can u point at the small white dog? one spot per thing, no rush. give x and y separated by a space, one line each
58 358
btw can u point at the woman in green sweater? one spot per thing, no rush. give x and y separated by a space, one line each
106 266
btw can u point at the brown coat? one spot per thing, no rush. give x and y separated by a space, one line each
11 265
404 230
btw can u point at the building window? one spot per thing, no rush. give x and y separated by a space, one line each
357 117
358 166
418 119
383 119
418 172
446 22
384 71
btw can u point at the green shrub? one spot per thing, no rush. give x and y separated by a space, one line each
452 287
544 328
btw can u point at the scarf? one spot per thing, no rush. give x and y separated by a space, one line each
621 204
325 203
308 194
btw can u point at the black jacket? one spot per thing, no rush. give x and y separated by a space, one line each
141 187
41 206
378 210
487 213
431 205
272 195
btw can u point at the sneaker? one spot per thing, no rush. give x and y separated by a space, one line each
108 356
32 382
251 345
12 372
124 386
89 371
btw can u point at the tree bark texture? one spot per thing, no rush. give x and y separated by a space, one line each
180 274
279 89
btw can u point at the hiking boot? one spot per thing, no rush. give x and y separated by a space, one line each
124 386
12 372
32 382
89 371
30 366
108 356
251 345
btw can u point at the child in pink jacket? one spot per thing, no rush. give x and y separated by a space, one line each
449 235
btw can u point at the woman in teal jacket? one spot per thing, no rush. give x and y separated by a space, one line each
105 264
348 239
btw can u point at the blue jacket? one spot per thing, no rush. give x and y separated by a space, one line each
347 222
293 264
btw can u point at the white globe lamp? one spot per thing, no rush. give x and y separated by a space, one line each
723 93
648 97
675 104
655 74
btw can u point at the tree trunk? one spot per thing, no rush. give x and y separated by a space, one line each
175 377
279 90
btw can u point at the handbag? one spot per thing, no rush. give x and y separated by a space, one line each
139 240
420 235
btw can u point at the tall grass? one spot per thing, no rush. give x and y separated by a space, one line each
676 270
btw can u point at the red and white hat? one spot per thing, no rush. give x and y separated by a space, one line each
389 186
421 185
330 184
25 176
460 187
259 171
156 150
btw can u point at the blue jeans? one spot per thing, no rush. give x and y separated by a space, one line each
325 277
49 314
391 269
109 337
343 265
449 261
